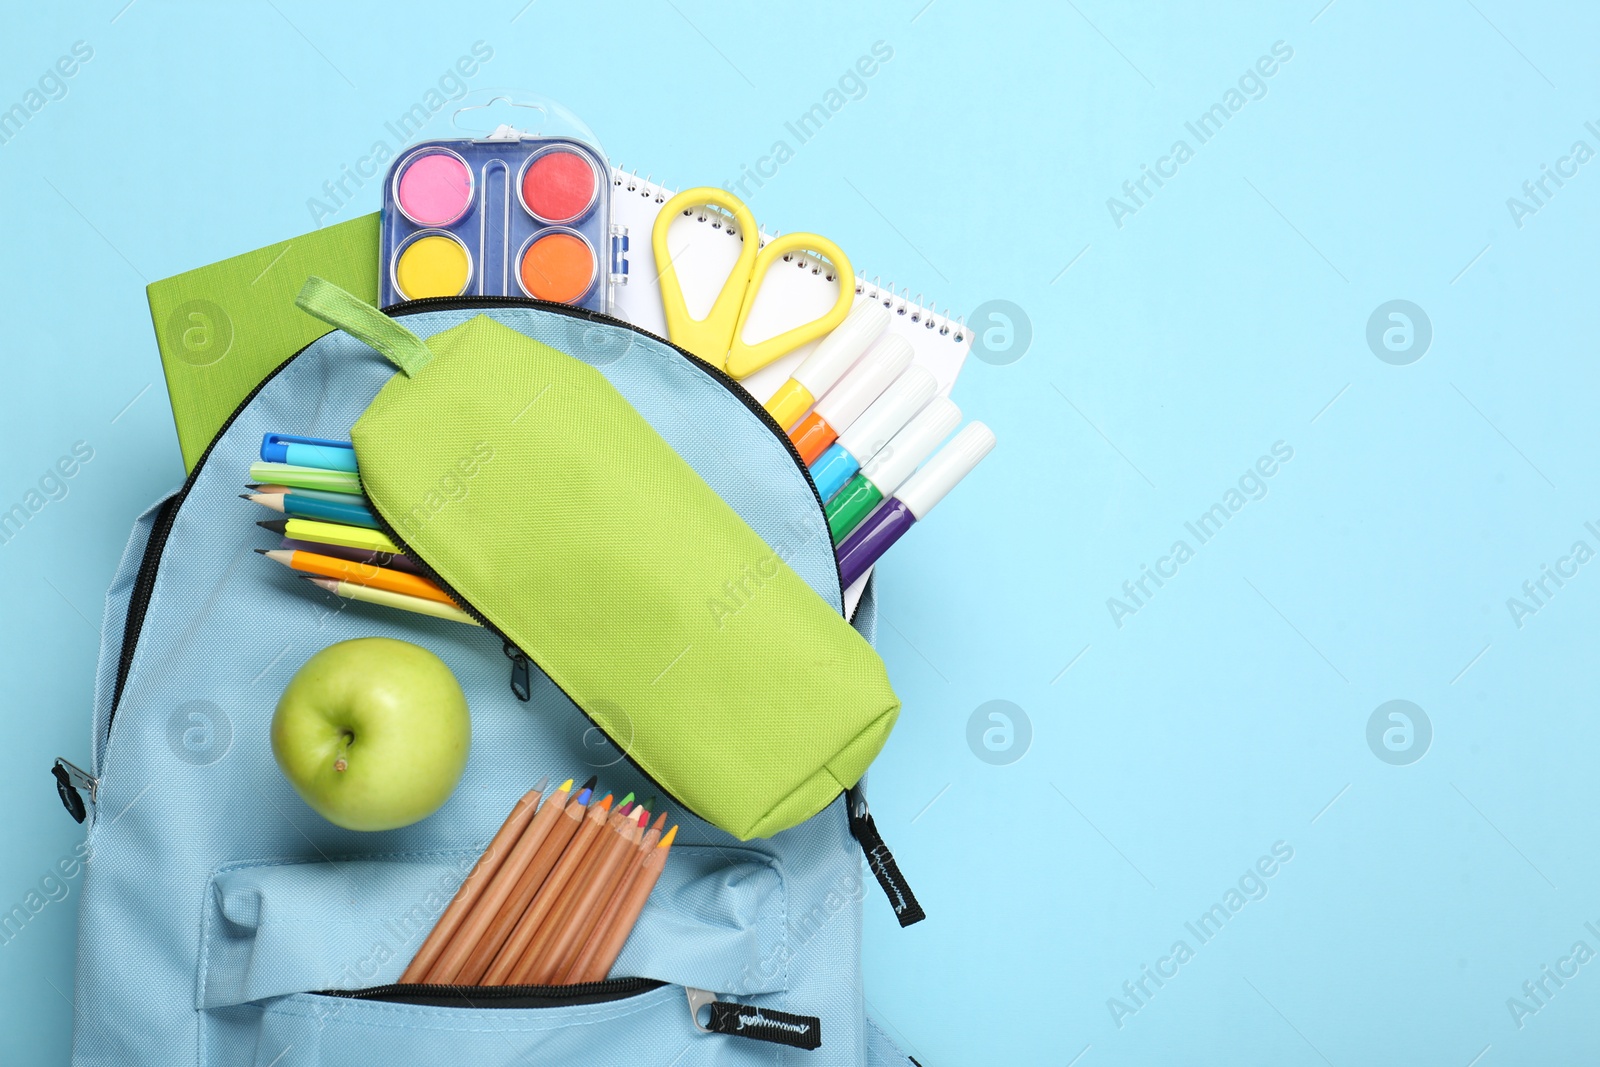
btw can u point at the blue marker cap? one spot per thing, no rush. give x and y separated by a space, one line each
832 469
308 452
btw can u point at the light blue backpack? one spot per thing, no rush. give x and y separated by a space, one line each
223 923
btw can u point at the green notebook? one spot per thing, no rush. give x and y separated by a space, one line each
224 327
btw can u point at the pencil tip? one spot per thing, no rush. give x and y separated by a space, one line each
582 798
644 818
566 786
277 526
627 800
594 779
605 805
538 789
661 821
261 551
666 842
246 496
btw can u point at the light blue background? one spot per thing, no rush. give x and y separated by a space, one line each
1227 314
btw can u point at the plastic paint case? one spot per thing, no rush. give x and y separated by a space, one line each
508 216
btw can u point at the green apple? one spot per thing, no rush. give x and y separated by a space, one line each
373 733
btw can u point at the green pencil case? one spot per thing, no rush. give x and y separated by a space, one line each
553 510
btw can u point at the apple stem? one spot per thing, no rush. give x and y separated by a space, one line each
339 764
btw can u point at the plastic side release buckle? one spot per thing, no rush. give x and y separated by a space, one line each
72 782
760 1024
881 860
619 255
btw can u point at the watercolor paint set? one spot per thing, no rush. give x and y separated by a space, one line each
510 215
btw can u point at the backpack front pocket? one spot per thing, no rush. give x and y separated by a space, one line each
714 921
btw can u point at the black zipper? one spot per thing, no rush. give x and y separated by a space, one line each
504 996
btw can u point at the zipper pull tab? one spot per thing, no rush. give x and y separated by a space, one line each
759 1024
521 682
880 859
72 782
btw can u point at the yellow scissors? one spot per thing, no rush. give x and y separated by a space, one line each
719 337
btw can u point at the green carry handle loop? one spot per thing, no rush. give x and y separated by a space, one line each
348 312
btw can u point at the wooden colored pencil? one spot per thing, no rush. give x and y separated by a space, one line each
583 968
550 894
370 595
354 555
497 925
524 971
359 573
305 507
483 872
446 969
315 494
627 914
542 961
597 894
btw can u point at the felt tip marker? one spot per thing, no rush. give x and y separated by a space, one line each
888 470
300 507
885 361
827 363
912 502
315 452
868 434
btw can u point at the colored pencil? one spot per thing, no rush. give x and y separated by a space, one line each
481 954
310 494
465 938
585 962
331 533
477 881
370 595
550 894
359 574
627 914
302 507
585 914
354 555
542 959
305 477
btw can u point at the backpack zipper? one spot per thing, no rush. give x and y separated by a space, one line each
726 1017
504 996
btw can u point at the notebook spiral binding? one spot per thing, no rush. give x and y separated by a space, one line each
901 302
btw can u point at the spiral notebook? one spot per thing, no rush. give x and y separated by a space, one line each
222 328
